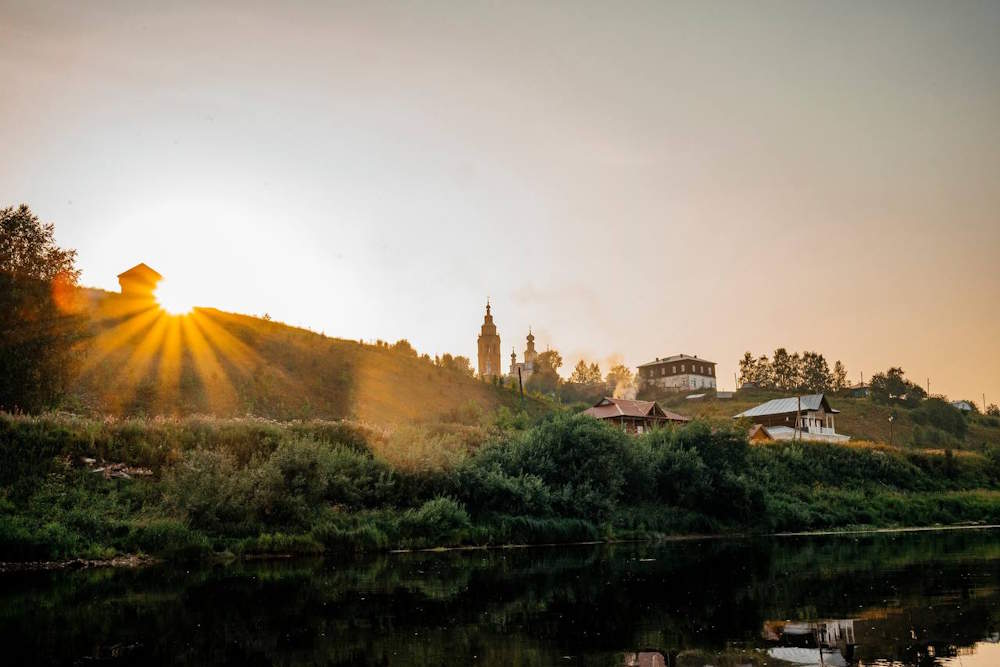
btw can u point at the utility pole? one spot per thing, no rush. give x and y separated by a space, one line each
798 411
891 419
520 384
928 386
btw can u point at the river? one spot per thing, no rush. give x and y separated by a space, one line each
930 598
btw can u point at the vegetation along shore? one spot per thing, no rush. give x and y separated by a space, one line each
201 487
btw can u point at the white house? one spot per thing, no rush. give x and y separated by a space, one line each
806 417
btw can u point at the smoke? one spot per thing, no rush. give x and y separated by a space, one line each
624 389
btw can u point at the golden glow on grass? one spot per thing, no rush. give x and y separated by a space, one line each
173 299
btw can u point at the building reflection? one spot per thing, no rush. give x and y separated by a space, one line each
828 642
645 659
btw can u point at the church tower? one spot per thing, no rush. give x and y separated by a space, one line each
489 348
529 352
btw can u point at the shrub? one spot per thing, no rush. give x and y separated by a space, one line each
582 462
168 538
209 491
940 414
442 519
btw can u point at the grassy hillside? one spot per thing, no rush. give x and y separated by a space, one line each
139 360
860 418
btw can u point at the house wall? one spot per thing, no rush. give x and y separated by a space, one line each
679 382
788 418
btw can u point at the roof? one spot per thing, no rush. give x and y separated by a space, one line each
609 408
781 406
759 428
676 357
142 272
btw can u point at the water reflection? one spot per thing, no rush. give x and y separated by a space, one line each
919 599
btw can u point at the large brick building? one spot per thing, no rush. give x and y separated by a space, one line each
678 373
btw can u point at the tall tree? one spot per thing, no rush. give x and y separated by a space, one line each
839 379
584 374
764 372
39 319
748 369
814 373
783 369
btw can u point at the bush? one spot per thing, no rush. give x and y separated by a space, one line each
582 461
436 519
940 414
168 538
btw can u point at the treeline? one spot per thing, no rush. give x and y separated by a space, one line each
456 363
204 486
585 383
809 371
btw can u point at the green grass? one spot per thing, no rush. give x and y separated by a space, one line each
860 418
246 487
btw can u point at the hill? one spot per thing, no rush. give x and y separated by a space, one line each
860 418
139 360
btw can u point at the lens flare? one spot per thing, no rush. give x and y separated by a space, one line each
173 299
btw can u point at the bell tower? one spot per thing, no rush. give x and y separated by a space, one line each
489 348
529 351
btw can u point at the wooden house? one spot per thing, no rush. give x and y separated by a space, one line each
634 416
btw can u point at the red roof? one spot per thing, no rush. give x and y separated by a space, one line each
609 408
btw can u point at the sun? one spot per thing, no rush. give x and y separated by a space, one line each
173 299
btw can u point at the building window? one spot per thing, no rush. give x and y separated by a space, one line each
673 369
682 368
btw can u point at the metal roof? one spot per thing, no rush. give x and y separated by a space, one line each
676 357
781 406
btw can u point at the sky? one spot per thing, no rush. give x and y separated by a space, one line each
633 180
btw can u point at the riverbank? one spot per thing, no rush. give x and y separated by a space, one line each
216 488
142 560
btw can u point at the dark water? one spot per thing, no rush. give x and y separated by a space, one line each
909 599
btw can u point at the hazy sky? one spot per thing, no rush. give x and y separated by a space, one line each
632 179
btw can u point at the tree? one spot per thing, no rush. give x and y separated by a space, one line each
992 410
784 370
458 364
584 374
39 316
545 377
403 347
748 369
839 380
892 386
814 373
764 372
